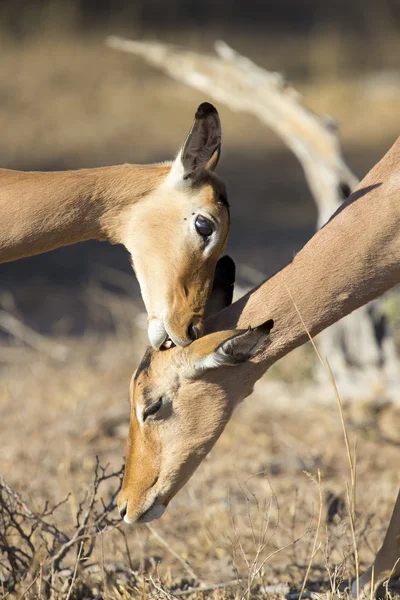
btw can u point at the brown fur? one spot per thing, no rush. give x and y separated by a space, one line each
127 205
42 211
151 209
352 260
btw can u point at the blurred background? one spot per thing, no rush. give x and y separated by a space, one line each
77 327
67 101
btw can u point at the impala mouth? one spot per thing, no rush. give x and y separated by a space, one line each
152 514
155 511
157 333
160 337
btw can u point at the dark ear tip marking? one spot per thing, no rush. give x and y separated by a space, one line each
205 109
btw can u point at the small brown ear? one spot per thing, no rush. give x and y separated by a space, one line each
223 285
244 344
203 144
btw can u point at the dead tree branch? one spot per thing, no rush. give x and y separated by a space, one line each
360 347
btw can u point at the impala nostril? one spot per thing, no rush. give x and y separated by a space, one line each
193 332
122 510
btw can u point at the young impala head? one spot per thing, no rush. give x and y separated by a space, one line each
179 231
181 400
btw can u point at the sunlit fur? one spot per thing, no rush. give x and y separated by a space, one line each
197 390
173 263
148 208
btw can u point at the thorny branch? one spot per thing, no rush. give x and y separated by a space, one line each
26 536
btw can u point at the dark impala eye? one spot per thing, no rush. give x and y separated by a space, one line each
203 226
153 409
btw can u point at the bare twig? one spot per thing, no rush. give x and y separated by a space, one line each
30 531
166 545
165 593
28 588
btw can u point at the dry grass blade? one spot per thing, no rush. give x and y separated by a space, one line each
353 535
27 589
352 499
103 570
75 571
166 545
346 439
371 591
313 551
164 593
325 365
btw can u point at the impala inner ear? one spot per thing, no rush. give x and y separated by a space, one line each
244 344
213 162
203 144
234 348
223 285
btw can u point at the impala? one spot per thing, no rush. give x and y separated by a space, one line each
182 398
172 217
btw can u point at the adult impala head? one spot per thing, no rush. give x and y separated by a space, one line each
172 217
179 230
181 400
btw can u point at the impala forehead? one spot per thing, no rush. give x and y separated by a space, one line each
215 207
154 376
212 192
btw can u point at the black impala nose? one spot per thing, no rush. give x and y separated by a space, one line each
122 510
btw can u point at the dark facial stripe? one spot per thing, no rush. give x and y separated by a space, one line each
147 396
144 363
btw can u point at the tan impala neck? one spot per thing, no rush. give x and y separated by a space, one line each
350 261
42 211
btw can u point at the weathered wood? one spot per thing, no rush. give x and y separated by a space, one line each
360 348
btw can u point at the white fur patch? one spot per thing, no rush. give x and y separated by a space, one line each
176 174
212 361
157 333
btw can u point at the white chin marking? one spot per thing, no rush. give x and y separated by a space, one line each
361 583
155 512
128 521
156 332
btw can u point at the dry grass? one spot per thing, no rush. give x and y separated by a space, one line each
249 513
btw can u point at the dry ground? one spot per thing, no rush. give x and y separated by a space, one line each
57 416
68 103
65 403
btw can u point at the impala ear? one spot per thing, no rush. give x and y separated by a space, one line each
223 285
237 347
214 160
202 146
